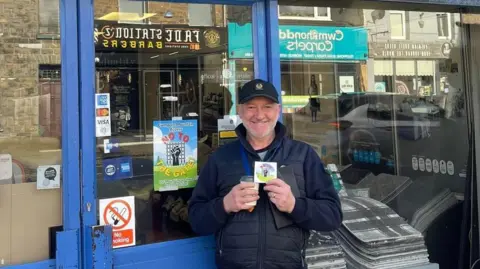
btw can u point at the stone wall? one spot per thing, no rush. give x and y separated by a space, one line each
21 52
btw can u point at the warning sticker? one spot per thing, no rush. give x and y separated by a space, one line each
120 214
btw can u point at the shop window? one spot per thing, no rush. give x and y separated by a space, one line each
303 13
48 17
389 113
166 93
397 25
131 11
31 171
444 24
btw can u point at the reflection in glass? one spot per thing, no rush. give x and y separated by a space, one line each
392 120
30 131
178 69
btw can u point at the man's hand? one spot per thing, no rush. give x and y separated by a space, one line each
280 194
237 198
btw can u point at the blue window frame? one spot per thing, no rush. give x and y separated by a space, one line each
170 254
68 240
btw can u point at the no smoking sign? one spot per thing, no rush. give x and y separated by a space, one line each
120 214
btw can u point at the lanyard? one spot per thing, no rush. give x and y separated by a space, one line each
246 165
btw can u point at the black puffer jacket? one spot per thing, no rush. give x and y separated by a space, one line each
251 240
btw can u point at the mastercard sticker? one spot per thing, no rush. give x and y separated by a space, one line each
103 112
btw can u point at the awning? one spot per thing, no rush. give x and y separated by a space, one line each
405 68
425 68
383 68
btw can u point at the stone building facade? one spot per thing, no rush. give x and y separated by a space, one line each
22 51
30 56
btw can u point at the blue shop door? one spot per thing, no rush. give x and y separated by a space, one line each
156 77
39 133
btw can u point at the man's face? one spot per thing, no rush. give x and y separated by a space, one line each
259 116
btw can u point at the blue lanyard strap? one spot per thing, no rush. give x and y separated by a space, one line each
246 165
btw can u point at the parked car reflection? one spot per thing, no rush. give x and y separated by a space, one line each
370 126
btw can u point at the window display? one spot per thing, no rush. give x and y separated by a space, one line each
385 120
164 89
31 171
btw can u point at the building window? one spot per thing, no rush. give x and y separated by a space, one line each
131 11
49 72
304 13
48 17
444 26
397 25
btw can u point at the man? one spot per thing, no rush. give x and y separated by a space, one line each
274 234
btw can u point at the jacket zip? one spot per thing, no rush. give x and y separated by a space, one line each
262 237
304 248
220 243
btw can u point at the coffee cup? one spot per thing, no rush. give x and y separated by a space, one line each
255 187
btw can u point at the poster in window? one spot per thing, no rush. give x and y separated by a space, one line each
175 154
347 84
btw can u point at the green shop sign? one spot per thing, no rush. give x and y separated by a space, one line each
304 42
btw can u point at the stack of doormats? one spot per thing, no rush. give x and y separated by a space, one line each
425 215
373 236
382 187
324 252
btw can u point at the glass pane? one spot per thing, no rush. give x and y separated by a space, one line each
295 11
443 26
396 22
30 132
128 6
322 11
167 80
390 114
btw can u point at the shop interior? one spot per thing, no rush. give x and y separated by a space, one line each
146 87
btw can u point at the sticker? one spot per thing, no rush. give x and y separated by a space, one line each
436 166
48 177
421 164
174 154
443 167
6 167
428 165
117 168
265 171
228 123
415 163
450 168
110 145
102 115
120 214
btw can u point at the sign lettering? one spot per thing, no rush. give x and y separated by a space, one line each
166 38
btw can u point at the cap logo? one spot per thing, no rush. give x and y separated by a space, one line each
259 86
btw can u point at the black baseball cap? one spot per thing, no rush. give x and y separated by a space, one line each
257 88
